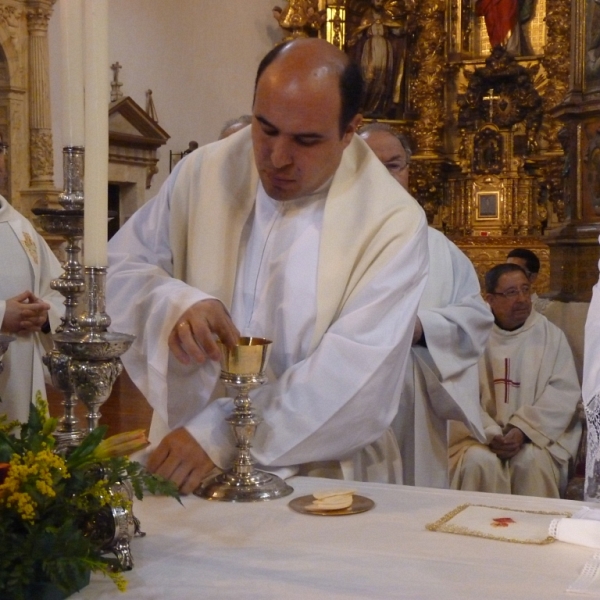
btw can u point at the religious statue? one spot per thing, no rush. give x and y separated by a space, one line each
593 47
379 47
301 18
505 18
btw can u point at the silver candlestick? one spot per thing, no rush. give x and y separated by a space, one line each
67 222
242 369
93 351
5 340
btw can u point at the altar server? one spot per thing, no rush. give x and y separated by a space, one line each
452 327
29 309
266 233
529 395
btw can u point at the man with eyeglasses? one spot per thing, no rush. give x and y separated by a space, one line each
529 392
451 330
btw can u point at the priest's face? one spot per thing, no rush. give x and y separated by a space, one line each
390 151
295 129
511 300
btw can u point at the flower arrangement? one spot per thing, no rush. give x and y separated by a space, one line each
49 502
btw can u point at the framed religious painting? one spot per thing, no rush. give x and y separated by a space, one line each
487 205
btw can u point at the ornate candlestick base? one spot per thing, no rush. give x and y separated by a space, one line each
93 352
242 369
5 340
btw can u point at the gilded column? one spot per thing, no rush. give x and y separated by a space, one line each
40 125
427 87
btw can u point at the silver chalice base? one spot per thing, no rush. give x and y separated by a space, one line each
242 369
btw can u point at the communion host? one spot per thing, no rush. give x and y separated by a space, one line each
267 233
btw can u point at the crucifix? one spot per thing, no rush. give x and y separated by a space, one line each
507 381
115 92
490 98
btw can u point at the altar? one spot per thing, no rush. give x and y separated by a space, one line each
263 550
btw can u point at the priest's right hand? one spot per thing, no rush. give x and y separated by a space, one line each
180 458
25 313
192 338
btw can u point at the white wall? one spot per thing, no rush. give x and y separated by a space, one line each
199 58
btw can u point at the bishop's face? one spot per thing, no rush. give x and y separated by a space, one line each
295 132
511 311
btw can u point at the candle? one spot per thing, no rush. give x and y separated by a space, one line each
71 24
95 222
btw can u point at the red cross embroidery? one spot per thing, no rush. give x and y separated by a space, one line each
507 381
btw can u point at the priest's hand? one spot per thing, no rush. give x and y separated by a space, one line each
180 458
508 445
25 313
192 338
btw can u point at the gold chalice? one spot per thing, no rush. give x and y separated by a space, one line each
242 369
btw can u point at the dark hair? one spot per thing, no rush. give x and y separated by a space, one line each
377 126
493 275
532 262
351 85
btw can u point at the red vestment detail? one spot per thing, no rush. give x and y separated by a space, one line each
500 18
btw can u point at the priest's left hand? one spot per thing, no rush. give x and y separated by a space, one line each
180 458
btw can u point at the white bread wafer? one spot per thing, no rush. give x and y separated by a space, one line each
329 493
331 500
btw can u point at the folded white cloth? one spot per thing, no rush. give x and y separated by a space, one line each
583 528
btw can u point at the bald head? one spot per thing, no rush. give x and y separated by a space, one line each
319 58
298 111
391 148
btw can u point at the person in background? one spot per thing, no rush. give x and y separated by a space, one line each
529 393
29 308
452 327
234 125
264 234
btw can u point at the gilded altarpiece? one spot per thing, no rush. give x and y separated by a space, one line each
488 161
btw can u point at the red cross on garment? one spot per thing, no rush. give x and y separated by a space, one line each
507 381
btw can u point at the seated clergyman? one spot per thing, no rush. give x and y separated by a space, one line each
529 393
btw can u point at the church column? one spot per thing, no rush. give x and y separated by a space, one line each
40 125
428 101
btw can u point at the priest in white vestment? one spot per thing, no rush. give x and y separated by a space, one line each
28 306
453 325
529 395
266 233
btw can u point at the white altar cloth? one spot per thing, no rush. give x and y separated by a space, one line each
260 551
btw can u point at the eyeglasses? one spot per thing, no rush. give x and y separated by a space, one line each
396 166
514 292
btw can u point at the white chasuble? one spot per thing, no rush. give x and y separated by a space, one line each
528 380
27 264
334 281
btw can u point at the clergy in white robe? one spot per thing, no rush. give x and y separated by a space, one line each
26 302
529 394
334 281
442 378
453 324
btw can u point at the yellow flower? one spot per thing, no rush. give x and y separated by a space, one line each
122 444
